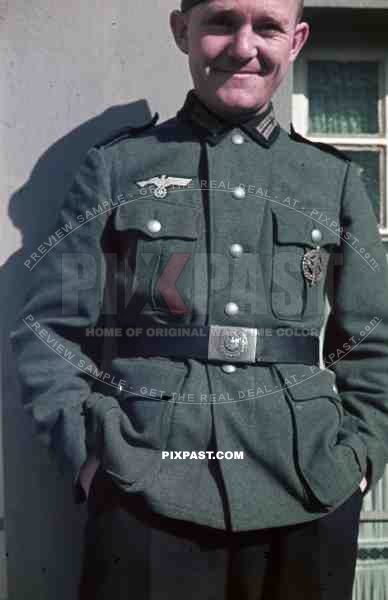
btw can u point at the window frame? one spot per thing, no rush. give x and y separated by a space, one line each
300 110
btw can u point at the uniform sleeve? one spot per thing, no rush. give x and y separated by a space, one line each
65 296
356 336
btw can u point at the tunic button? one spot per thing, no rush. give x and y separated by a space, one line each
239 192
316 235
228 368
154 226
236 250
237 139
231 309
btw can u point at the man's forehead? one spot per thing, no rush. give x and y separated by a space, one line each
267 5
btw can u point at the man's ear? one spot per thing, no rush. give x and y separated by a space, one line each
178 24
301 35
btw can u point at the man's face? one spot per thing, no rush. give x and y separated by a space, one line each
239 50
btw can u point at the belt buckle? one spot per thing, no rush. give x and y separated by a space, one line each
232 344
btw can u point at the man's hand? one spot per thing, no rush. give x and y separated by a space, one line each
87 472
363 484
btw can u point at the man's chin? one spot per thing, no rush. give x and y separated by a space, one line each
232 103
240 106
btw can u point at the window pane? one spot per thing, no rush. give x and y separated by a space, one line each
343 97
369 162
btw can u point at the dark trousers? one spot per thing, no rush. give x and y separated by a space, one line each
131 553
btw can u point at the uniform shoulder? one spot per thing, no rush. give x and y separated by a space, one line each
126 132
328 148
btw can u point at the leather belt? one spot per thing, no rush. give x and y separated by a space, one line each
218 343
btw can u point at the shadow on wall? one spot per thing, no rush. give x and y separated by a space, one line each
44 528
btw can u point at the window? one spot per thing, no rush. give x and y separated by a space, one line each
341 98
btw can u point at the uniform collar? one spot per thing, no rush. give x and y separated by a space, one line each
263 128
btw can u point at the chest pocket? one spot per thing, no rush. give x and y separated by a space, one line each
160 238
295 234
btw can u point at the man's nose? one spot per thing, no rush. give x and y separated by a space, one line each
243 46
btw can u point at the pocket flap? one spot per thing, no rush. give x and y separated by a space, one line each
294 226
176 220
149 376
307 385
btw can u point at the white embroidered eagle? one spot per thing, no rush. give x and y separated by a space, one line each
162 183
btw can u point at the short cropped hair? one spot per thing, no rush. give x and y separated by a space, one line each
300 11
187 5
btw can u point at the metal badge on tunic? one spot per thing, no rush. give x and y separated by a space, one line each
313 265
163 183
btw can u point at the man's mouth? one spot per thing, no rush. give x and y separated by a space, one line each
242 74
232 73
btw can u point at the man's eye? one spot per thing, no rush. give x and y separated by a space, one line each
220 22
267 28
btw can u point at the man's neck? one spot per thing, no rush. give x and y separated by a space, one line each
234 117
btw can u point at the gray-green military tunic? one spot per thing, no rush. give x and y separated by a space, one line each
259 228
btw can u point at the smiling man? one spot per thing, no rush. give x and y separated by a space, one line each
228 464
239 52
